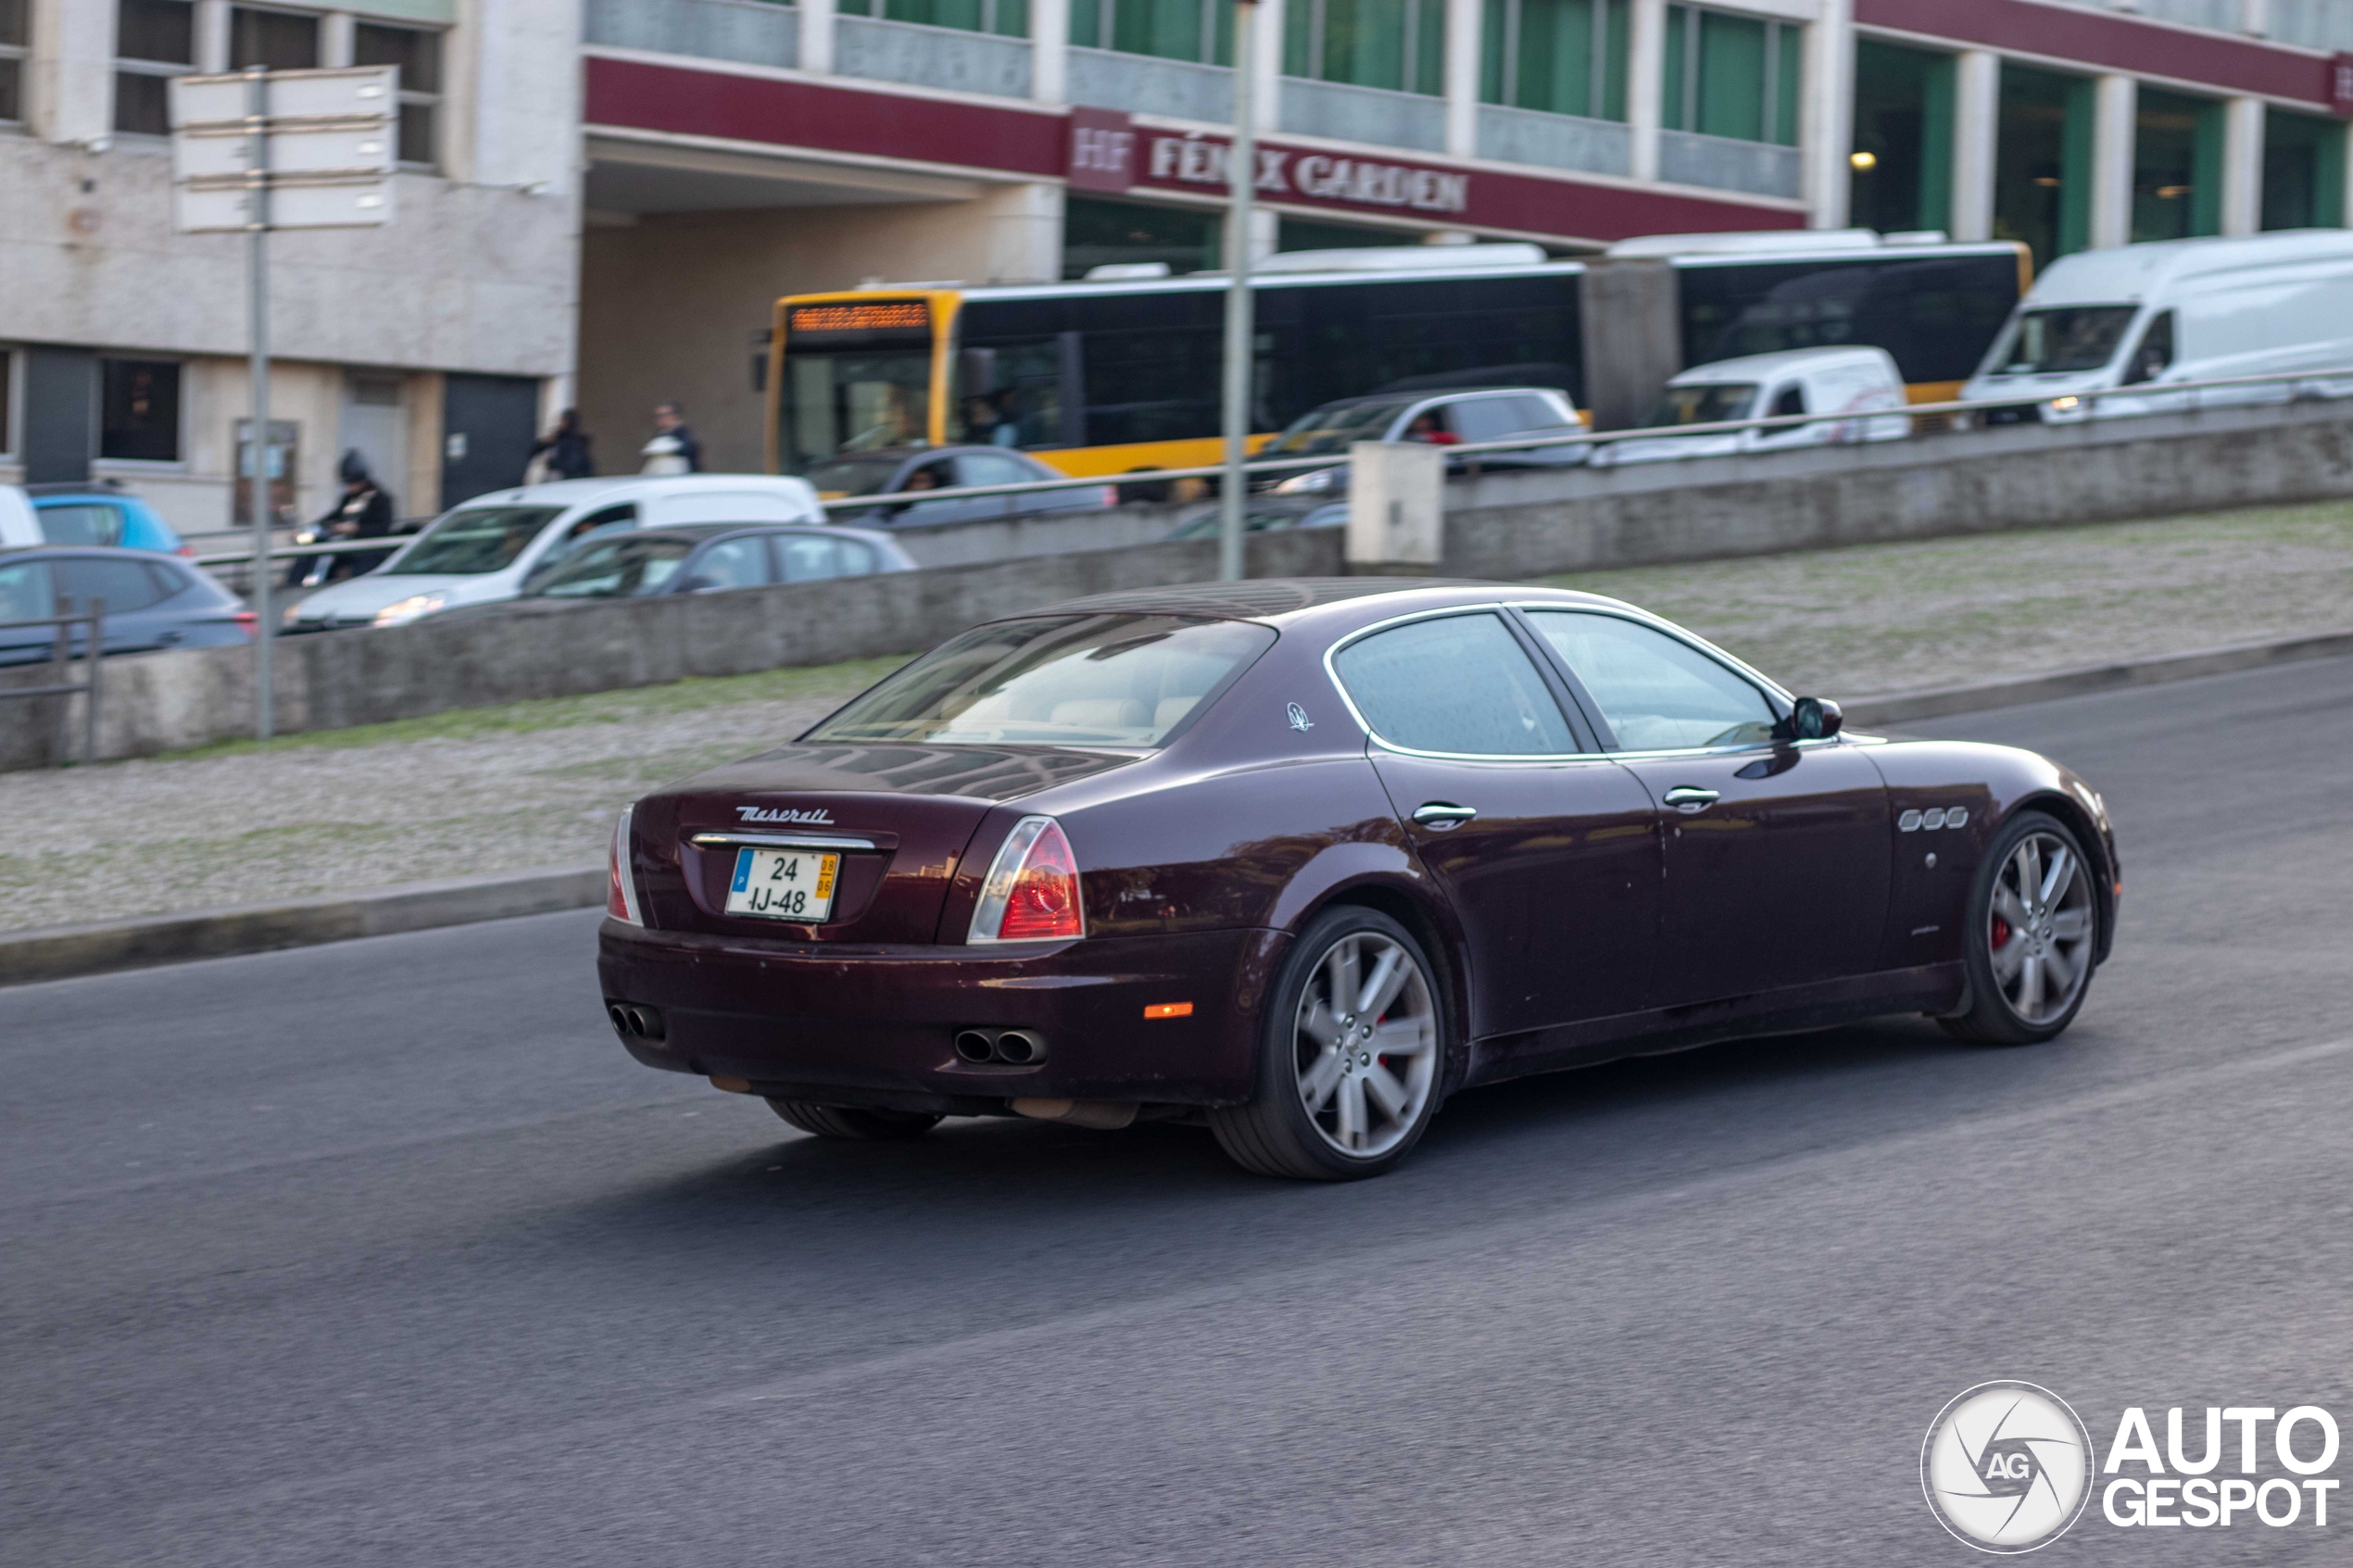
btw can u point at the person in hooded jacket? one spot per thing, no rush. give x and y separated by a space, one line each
363 511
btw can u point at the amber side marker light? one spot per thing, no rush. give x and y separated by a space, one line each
1169 1009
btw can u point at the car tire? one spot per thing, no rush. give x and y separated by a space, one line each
1332 1103
854 1123
2016 944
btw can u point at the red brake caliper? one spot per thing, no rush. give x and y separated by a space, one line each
2001 931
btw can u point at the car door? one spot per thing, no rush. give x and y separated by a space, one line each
1777 853
1546 850
739 562
999 468
28 592
809 557
133 593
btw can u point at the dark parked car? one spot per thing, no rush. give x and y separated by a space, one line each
1300 859
705 559
152 601
904 472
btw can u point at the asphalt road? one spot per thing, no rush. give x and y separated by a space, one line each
382 1253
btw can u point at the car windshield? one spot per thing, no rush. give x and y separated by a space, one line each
850 476
615 568
1334 426
2071 337
1706 403
466 543
1062 680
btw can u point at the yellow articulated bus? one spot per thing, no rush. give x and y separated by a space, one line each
1122 376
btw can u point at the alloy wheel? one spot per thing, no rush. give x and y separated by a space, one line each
1366 1045
2040 928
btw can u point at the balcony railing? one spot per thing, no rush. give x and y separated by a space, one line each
932 57
1556 141
1363 114
751 31
1722 163
1146 85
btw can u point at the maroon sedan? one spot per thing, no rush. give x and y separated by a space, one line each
1300 858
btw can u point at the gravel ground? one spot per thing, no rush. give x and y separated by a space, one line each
535 783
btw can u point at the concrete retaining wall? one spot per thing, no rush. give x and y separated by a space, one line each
1502 526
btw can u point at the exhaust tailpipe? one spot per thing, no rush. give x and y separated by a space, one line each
975 1047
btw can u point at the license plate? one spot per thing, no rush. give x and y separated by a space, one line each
795 884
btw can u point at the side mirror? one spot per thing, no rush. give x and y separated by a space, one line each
1813 718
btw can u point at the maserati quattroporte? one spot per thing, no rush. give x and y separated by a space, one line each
1300 858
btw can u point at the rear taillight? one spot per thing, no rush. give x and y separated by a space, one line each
621 883
1111 495
248 622
187 550
1032 891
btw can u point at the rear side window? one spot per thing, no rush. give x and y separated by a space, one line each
1066 680
82 522
1460 683
126 585
731 563
1497 419
809 557
1656 694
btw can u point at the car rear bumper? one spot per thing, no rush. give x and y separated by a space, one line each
878 1026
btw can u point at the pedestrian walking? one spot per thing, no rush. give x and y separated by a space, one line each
563 451
674 448
363 511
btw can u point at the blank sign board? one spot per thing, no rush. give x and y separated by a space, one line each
356 203
332 150
361 92
329 143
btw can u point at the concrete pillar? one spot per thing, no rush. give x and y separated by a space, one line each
1267 92
1826 117
2255 16
1025 233
1396 504
1464 20
817 35
1645 63
1977 103
337 38
1633 337
2242 165
70 80
212 35
2114 100
1050 50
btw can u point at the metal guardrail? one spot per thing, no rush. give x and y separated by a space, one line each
2064 405
61 660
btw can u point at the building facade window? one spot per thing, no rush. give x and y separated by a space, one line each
139 411
15 36
154 40
275 40
2177 166
1199 31
1901 173
1562 57
417 51
2043 161
1731 76
2303 170
1399 44
1008 18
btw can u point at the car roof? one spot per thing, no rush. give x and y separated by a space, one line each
701 533
1759 366
568 493
102 552
901 454
1288 601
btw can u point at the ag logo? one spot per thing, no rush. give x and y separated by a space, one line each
2007 1466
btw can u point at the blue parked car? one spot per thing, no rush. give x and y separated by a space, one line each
84 514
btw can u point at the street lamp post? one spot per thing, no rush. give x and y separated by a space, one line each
1241 329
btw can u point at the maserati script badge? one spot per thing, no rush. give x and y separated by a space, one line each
783 814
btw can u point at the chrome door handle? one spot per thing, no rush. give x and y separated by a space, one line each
1440 815
1689 797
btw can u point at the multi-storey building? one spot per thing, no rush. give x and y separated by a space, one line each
688 160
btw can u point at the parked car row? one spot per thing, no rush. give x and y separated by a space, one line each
151 601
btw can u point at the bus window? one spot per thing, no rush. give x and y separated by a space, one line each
1934 315
857 377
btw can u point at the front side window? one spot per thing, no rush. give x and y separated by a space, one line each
1656 692
1709 403
2155 353
480 539
840 477
1065 680
2065 337
154 40
1456 683
615 569
1333 430
139 411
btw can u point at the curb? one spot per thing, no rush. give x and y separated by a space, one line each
1937 701
65 951
61 952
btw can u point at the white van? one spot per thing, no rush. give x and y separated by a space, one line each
482 550
1846 381
2174 311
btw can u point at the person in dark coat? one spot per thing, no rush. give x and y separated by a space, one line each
364 511
674 448
566 448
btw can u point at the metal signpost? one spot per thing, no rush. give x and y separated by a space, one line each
1241 329
284 149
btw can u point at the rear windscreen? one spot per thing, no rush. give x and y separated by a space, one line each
1066 680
